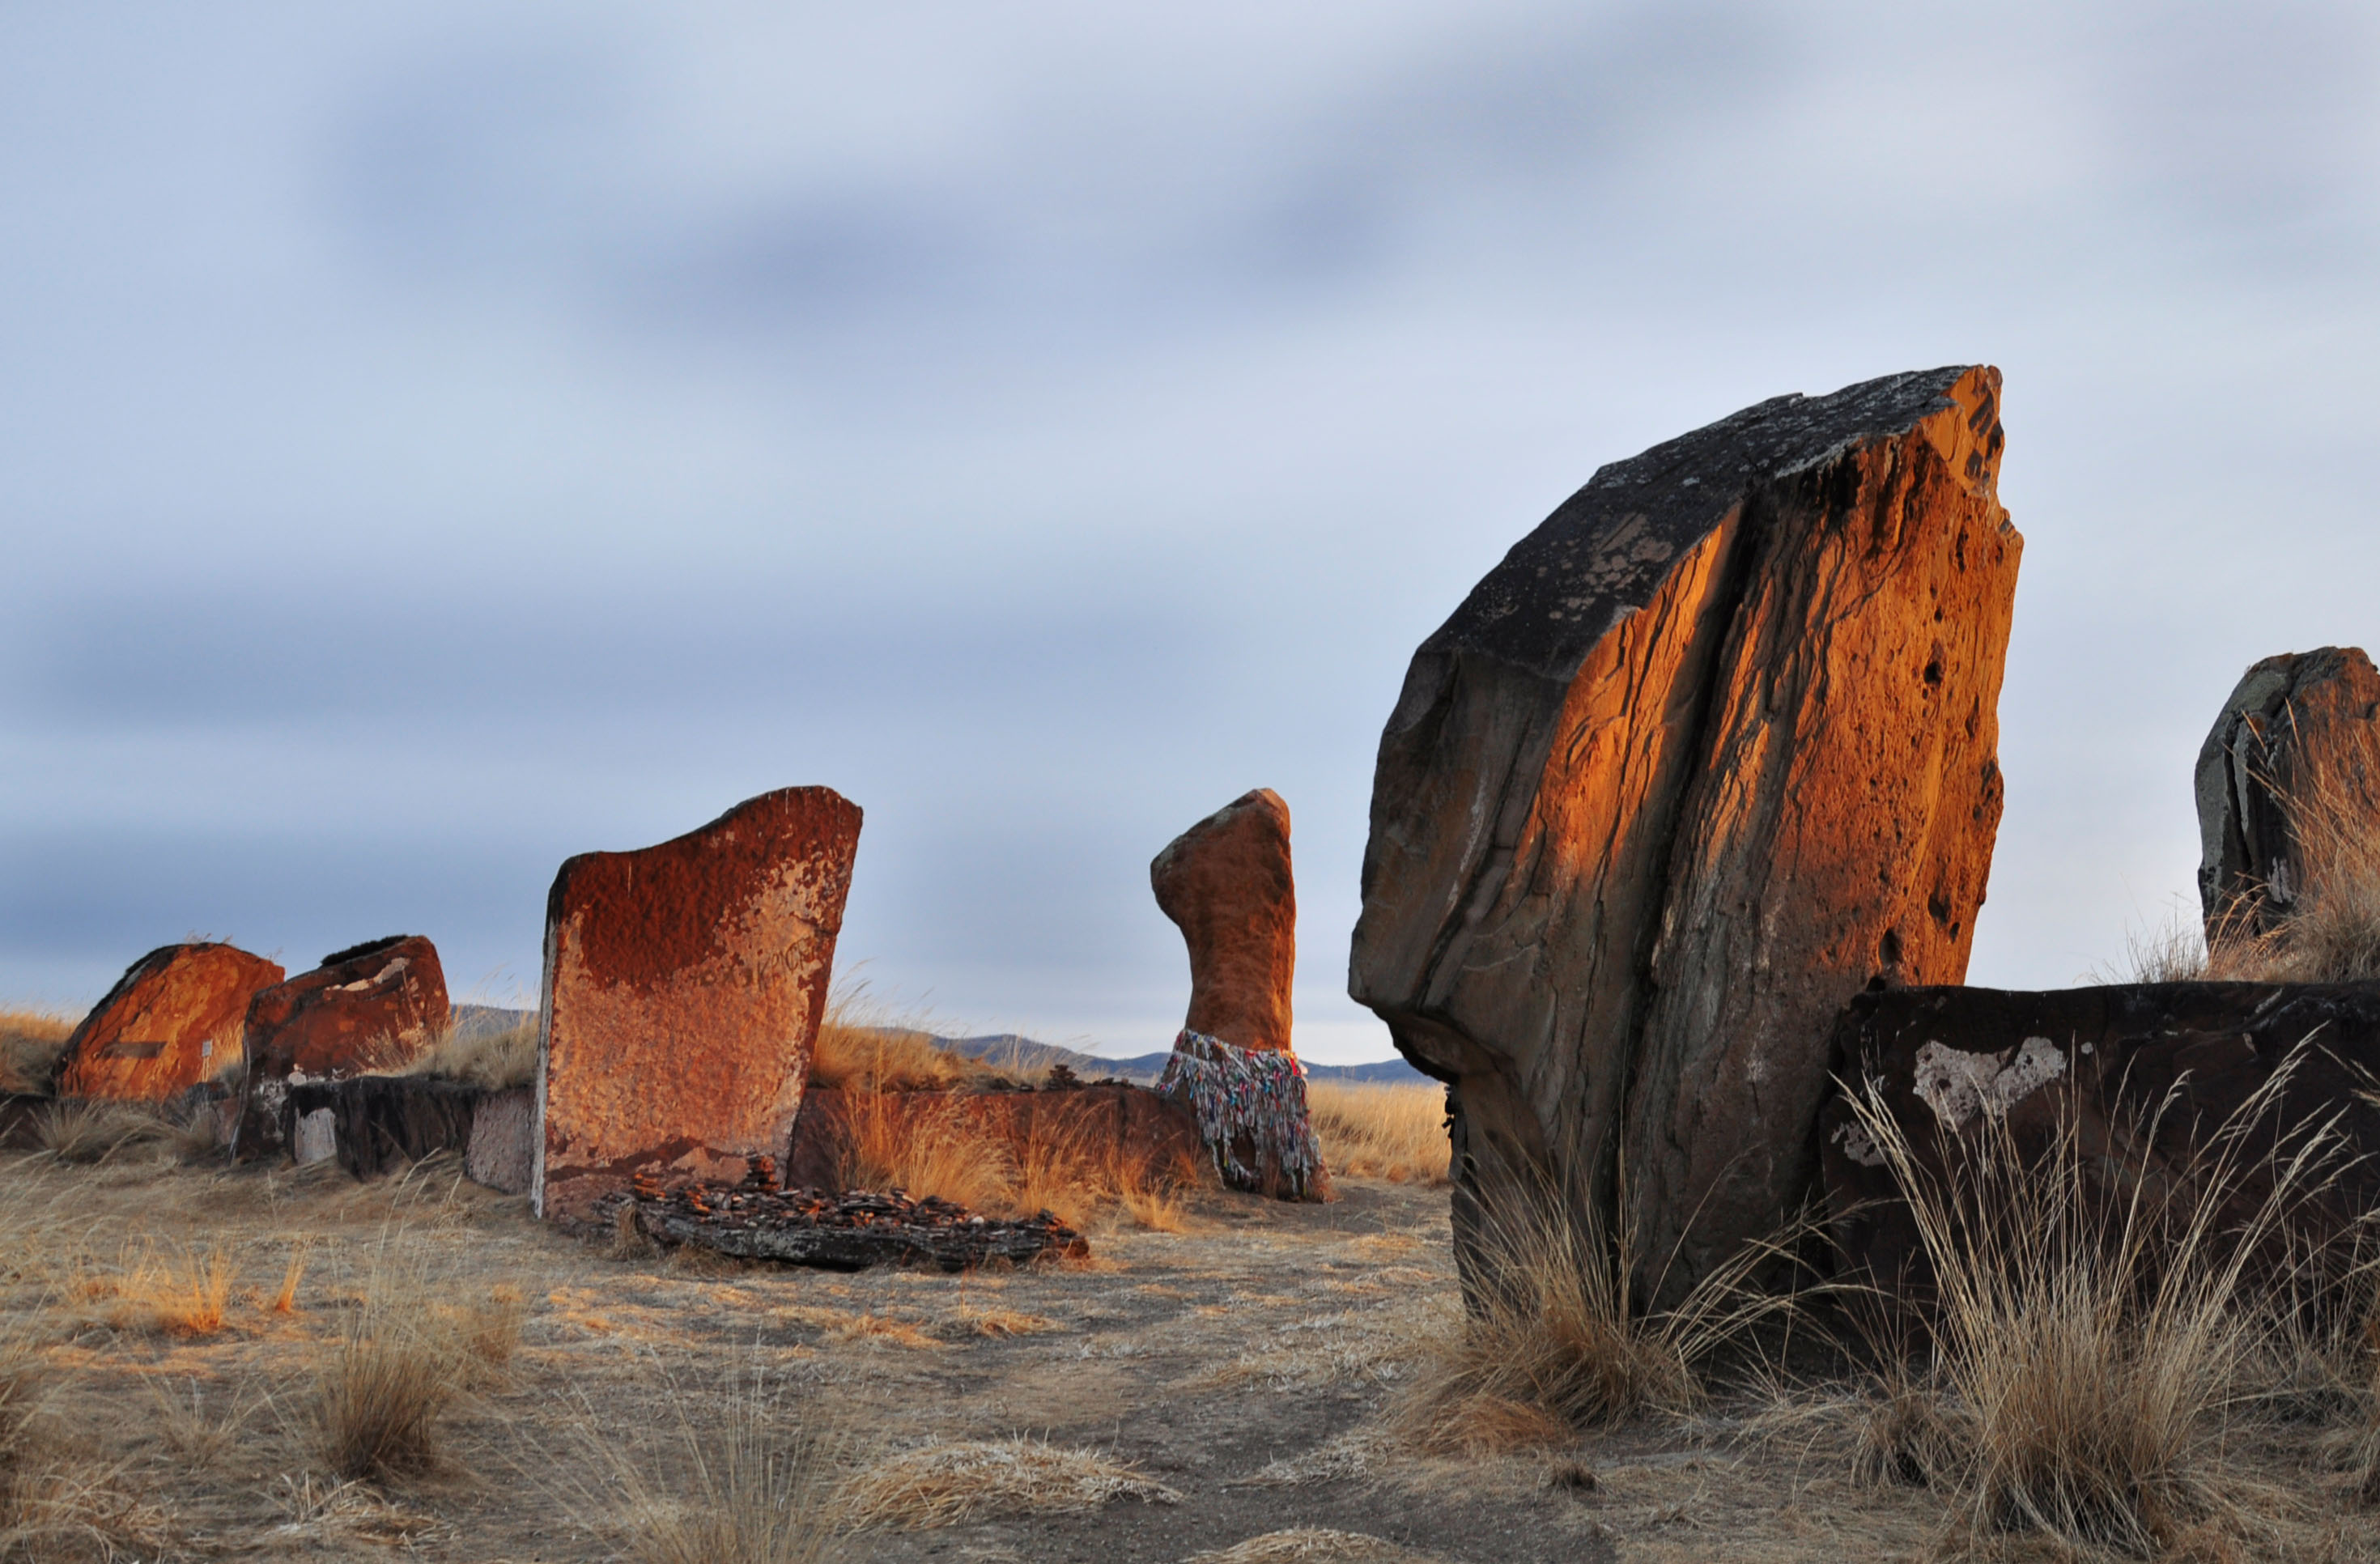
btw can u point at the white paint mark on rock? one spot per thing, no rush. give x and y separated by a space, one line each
1956 1085
1858 1145
318 1136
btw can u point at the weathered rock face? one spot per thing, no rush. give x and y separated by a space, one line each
1711 750
503 1154
2301 729
373 1007
173 1020
1226 883
1947 1058
379 1124
684 986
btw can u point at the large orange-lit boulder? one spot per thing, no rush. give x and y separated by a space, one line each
173 1020
1712 750
2288 781
369 1009
1226 883
684 987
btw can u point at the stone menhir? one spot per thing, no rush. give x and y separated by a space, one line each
1226 883
372 1008
684 987
1712 749
172 1021
2157 1084
2289 773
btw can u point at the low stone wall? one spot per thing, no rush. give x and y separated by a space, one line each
1131 1124
2146 1077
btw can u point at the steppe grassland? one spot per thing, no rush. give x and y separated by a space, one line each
30 1041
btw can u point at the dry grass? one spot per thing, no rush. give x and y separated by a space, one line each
494 1060
927 1142
1311 1545
1555 1341
2095 1357
386 1382
864 1045
1382 1131
31 1042
752 1484
944 1484
181 1294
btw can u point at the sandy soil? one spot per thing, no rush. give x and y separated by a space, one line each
1237 1365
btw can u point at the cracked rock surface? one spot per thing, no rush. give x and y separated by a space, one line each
1713 749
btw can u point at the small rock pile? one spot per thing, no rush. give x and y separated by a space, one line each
848 1232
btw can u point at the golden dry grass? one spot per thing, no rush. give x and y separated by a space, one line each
2096 1361
927 1142
944 1482
30 1041
1311 1545
1555 1340
494 1060
750 1480
1396 1132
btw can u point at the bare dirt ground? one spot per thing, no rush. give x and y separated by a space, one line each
1236 1367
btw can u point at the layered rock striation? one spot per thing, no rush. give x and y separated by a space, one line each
684 986
1711 750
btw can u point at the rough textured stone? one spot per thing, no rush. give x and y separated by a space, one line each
173 1020
381 1124
684 986
2104 1058
2303 726
1226 883
373 1007
1711 750
1132 1124
502 1150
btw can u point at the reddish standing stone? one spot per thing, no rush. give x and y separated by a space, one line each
684 986
173 1020
371 1008
1226 883
1712 750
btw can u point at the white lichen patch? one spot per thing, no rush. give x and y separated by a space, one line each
1956 1085
1858 1145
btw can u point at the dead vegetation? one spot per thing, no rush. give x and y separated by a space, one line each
1396 1132
746 1481
31 1042
943 1483
476 1057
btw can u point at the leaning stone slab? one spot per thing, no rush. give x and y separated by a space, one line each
371 1008
2142 1076
1712 749
684 986
2299 732
173 1020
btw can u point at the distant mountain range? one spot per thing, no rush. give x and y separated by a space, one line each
1008 1048
1012 1051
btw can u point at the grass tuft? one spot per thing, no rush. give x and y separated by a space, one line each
385 1383
945 1483
1554 1340
493 1060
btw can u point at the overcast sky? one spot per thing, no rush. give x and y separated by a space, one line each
438 440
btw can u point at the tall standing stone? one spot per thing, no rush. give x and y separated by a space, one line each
1711 751
173 1020
1226 883
684 988
2300 732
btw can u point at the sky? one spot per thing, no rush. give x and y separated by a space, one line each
439 439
